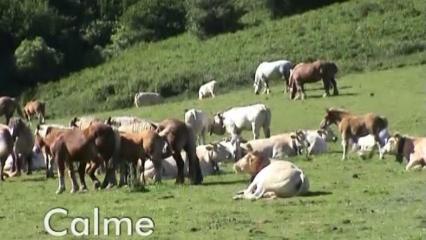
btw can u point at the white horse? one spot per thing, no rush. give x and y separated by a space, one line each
269 71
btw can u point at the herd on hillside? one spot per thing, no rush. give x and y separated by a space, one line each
134 151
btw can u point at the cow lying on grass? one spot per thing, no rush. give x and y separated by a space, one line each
271 178
412 149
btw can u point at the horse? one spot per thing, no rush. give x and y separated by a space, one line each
352 126
181 137
269 71
44 137
23 144
312 72
6 147
8 105
35 107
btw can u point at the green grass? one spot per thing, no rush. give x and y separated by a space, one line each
358 35
354 199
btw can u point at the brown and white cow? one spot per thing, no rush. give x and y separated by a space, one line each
35 108
412 149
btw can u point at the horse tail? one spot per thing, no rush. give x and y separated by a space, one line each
18 108
267 123
196 176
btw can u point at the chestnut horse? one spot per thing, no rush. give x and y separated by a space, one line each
6 147
181 137
35 107
354 126
8 105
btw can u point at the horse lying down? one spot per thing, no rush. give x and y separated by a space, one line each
271 178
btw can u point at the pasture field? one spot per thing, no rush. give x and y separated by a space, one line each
352 199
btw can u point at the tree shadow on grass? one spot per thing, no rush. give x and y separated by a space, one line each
35 179
331 96
225 182
316 193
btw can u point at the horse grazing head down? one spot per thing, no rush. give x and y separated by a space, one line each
333 116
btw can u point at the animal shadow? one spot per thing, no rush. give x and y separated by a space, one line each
316 193
225 182
35 179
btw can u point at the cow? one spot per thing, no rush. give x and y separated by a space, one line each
269 71
35 108
237 119
316 140
123 121
83 122
207 90
366 145
6 148
304 73
199 122
147 98
271 178
412 149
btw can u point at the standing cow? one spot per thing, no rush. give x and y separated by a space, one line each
207 90
269 71
199 122
312 72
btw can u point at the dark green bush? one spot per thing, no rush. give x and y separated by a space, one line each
35 61
279 8
210 17
155 19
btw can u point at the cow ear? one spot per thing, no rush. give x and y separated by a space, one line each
209 147
397 135
249 147
293 136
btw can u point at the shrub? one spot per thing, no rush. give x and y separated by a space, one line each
279 8
35 61
210 17
155 19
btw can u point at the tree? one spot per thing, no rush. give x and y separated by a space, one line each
35 61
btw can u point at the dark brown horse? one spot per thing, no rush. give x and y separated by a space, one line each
8 106
6 147
354 126
181 137
35 108
304 73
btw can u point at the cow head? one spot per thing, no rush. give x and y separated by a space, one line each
217 126
395 146
299 142
327 134
250 163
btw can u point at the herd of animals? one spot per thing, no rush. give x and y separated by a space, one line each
131 150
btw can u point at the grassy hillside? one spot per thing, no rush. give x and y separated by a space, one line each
359 35
354 199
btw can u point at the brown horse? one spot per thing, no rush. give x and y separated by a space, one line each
312 72
141 146
95 144
6 147
33 108
45 136
181 137
23 144
354 126
8 105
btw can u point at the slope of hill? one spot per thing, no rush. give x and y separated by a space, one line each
359 35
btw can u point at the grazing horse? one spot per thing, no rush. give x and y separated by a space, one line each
268 71
6 147
8 105
352 127
45 135
35 107
23 144
181 137
312 72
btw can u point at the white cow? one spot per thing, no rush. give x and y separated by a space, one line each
199 122
366 145
316 140
269 71
37 162
271 178
122 120
147 98
237 119
207 90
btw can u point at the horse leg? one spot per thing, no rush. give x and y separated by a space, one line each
194 170
158 167
81 173
61 175
255 130
326 84
142 170
91 172
335 90
71 172
302 90
29 163
344 146
180 165
2 163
